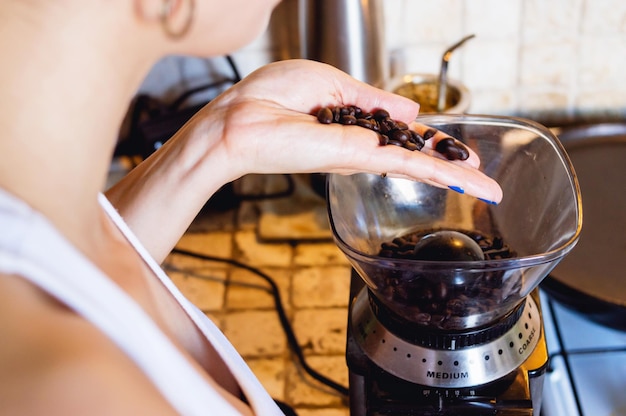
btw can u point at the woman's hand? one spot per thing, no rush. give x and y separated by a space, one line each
265 124
268 127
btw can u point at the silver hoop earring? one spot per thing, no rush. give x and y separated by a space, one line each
176 33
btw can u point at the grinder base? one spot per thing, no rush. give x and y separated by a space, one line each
375 391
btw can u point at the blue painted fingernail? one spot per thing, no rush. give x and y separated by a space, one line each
457 189
488 201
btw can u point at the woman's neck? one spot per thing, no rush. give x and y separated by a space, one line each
62 103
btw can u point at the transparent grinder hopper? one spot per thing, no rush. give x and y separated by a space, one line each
474 318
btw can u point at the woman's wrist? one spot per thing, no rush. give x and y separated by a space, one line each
160 197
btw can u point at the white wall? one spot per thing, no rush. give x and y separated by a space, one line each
547 59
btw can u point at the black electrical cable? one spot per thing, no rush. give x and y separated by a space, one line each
233 67
178 102
147 109
282 316
175 105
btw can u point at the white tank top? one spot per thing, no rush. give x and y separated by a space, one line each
32 248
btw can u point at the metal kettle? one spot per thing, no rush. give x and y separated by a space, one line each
348 34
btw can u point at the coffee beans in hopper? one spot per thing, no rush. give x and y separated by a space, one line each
444 303
390 131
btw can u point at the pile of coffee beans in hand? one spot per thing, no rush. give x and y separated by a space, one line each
390 131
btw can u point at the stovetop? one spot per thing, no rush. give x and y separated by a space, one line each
587 369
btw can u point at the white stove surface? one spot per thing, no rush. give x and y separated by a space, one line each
587 370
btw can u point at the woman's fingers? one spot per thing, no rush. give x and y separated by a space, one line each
352 149
304 85
458 176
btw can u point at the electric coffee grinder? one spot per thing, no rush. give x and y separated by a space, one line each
445 316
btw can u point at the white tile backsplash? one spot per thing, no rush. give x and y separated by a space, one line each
602 61
427 21
555 20
544 59
604 17
484 102
494 19
548 63
489 64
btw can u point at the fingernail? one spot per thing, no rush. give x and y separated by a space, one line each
488 201
457 189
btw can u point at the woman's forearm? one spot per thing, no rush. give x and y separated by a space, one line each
161 196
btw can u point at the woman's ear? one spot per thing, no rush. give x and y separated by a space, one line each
175 16
149 11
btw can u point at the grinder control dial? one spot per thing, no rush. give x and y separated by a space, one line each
455 367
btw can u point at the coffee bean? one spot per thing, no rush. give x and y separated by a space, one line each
325 115
386 125
422 318
455 306
411 146
417 139
442 290
336 114
428 134
381 114
402 125
348 119
363 122
452 149
400 135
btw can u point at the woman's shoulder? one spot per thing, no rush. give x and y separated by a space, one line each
54 362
